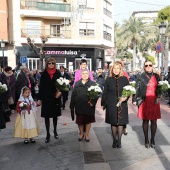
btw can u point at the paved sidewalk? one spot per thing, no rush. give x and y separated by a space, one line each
67 153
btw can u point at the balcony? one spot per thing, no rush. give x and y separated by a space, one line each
107 12
37 33
107 36
45 6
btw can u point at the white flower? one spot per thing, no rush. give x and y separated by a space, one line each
132 82
4 86
21 104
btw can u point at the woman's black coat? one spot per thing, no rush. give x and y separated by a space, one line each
79 98
112 92
51 107
3 101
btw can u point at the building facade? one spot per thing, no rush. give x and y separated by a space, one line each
75 29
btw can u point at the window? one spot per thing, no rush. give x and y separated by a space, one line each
107 8
107 32
55 30
86 28
33 28
87 4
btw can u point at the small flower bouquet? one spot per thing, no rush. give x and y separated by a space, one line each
23 106
163 86
132 83
93 92
3 88
62 84
127 91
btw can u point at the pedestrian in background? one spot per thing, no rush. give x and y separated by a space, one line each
83 65
145 98
116 116
26 125
10 80
3 101
64 93
85 111
22 81
167 77
49 97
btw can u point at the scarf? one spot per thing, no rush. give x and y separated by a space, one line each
51 72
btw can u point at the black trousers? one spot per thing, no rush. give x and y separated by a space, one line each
64 98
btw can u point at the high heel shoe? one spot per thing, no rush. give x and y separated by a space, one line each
114 144
47 139
87 140
119 144
56 135
80 139
147 144
152 144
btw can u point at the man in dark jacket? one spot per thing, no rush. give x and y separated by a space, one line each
167 77
64 93
22 81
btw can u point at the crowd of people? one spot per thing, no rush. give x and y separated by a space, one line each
30 89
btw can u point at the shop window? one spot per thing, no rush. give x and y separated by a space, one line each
86 28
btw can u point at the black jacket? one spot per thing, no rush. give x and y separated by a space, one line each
51 106
141 86
21 82
79 98
112 92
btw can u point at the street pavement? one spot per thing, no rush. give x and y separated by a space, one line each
67 153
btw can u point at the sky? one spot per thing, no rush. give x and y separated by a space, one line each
124 8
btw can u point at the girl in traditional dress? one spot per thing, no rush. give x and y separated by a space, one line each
26 125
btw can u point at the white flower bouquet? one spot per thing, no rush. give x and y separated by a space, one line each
127 92
132 83
163 86
94 92
3 88
62 84
23 106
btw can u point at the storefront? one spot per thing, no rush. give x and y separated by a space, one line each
69 57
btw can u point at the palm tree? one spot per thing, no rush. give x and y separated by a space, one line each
132 33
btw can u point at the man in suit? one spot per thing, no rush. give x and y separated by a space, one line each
64 93
22 81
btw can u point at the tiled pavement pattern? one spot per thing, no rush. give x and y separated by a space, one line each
67 153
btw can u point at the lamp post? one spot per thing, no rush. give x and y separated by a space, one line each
162 29
2 46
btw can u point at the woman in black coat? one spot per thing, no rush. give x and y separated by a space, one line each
116 116
9 79
49 97
3 101
84 107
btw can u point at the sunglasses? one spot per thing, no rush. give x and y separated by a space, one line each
51 63
149 65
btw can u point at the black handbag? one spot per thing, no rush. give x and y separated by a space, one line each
139 101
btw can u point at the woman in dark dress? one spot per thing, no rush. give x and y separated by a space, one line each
49 97
3 101
116 116
149 109
84 110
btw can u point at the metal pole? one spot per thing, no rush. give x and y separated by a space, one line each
162 58
3 58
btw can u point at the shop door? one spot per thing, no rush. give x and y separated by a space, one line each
77 63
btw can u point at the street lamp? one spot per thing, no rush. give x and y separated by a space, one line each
162 29
2 46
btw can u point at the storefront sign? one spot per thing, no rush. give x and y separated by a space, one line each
64 52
